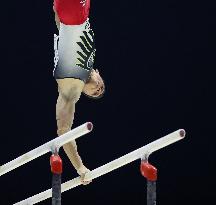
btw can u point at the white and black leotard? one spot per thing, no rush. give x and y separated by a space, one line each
74 51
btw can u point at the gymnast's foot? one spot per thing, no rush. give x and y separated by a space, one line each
82 171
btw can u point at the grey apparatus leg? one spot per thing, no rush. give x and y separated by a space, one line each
151 192
56 189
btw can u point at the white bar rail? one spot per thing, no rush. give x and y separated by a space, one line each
126 159
49 146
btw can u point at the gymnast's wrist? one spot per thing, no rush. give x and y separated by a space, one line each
82 170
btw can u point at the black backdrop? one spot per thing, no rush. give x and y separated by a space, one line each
157 58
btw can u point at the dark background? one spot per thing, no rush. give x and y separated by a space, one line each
158 62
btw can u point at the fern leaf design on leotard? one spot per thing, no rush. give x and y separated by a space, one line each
87 53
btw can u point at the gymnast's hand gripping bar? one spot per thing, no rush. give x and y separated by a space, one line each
48 147
126 159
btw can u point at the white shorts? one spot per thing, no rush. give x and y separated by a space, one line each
74 51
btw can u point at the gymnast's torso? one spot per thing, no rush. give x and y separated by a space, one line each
74 47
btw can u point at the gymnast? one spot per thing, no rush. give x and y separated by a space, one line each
74 73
